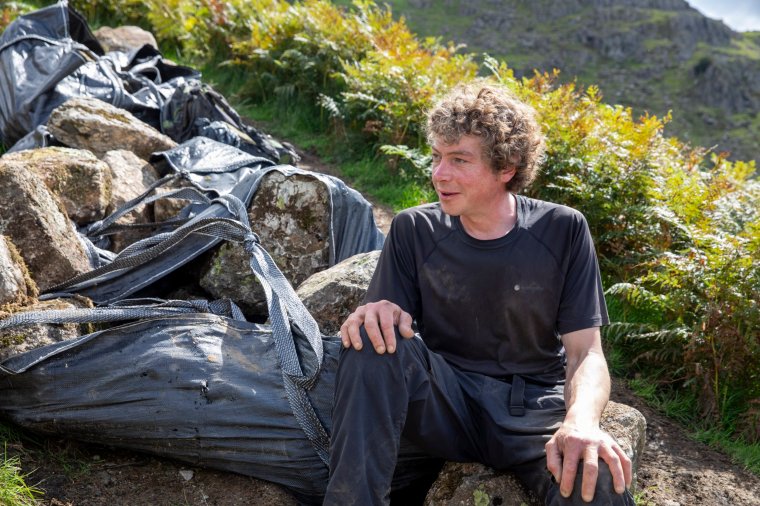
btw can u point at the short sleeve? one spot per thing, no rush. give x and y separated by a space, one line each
395 278
582 303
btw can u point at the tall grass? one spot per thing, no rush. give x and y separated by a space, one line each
14 490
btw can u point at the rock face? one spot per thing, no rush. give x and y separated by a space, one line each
629 428
291 215
124 38
464 483
36 222
131 176
88 123
331 295
14 341
651 55
76 177
15 285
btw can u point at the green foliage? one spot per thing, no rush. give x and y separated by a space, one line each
98 12
480 497
410 163
13 490
741 451
366 70
11 10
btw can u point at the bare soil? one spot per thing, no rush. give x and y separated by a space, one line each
674 469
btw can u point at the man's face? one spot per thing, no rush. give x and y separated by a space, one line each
465 183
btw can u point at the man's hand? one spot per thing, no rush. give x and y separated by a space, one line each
570 444
379 320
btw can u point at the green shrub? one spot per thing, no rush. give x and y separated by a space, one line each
11 10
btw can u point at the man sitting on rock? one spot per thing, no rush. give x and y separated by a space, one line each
507 368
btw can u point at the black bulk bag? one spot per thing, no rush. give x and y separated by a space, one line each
180 380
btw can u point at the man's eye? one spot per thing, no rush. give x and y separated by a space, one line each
460 160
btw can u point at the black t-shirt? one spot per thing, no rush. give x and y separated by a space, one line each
497 307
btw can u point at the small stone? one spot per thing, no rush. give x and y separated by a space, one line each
186 474
105 478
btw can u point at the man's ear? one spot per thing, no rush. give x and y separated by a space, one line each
506 175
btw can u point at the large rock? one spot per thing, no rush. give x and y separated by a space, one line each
36 222
331 295
77 177
292 217
475 484
89 123
131 176
16 340
16 287
124 38
629 428
471 484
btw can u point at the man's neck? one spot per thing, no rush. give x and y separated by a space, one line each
497 223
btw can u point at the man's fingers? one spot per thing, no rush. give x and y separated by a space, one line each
569 470
387 327
554 459
627 466
349 331
620 467
405 325
344 339
372 326
379 320
590 474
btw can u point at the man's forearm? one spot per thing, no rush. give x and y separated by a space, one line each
579 438
587 388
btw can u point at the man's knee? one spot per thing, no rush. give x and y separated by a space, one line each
408 356
603 495
368 352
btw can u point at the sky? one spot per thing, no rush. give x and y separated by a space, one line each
741 15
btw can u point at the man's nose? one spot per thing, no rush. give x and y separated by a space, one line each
440 171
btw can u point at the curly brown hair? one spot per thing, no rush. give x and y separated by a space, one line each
511 136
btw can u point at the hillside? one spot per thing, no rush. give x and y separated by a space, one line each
652 55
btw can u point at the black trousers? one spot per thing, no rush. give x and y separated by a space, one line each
394 414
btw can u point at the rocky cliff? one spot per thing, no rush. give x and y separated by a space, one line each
652 55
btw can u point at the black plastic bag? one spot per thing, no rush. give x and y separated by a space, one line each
209 390
62 59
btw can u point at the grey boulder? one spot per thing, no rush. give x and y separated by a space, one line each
89 123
